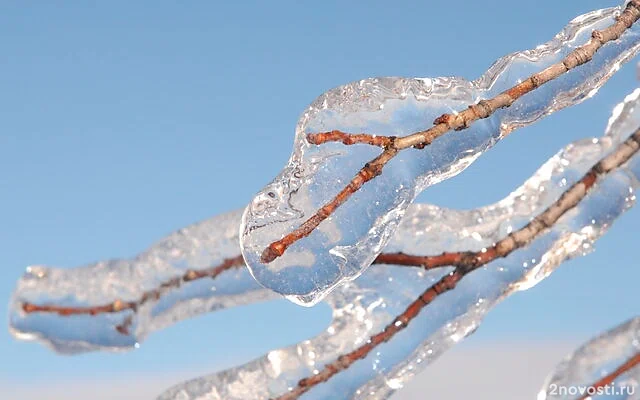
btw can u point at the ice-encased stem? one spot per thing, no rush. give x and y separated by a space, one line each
451 317
607 365
302 237
188 273
361 308
448 122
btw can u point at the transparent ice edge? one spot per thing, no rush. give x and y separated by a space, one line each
345 244
599 357
360 308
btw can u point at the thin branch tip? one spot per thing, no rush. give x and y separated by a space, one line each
119 305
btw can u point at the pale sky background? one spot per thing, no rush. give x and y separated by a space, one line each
121 122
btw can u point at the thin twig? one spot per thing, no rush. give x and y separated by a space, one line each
608 379
471 261
426 262
155 294
464 261
446 123
349 138
236 262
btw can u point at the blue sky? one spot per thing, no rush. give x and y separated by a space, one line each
121 122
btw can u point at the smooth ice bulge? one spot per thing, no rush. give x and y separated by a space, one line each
345 243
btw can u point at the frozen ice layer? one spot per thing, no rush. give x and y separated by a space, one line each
345 244
361 308
366 305
113 305
612 354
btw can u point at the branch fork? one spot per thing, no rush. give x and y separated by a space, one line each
443 124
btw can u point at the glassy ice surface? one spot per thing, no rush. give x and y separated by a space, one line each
196 248
597 358
361 307
364 306
343 245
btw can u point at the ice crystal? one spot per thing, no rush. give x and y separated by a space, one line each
574 376
346 243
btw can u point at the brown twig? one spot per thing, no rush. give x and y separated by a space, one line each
349 138
446 123
471 261
426 262
155 294
608 379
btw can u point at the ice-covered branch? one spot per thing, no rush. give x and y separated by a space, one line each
467 262
165 288
607 365
445 123
332 224
188 273
360 308
366 310
350 138
394 319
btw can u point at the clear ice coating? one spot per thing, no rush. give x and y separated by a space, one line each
160 269
361 307
600 357
346 243
365 306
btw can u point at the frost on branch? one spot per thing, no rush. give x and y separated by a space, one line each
348 240
607 367
177 272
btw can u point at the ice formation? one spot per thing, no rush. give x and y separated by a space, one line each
343 245
361 307
602 356
364 306
113 305
162 268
